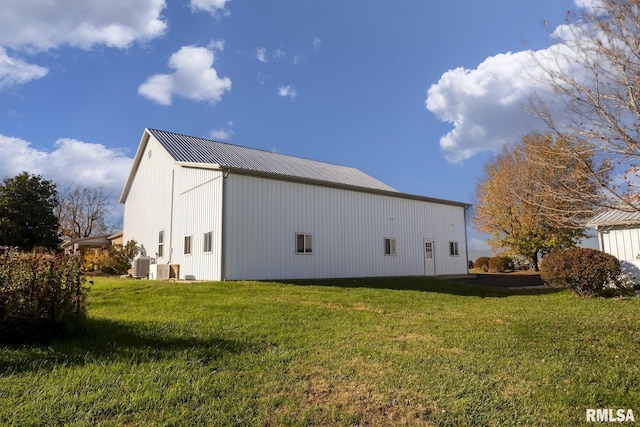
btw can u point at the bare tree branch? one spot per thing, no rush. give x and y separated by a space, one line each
595 74
82 211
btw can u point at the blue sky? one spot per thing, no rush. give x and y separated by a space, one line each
418 94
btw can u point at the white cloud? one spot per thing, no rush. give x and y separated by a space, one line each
261 54
287 91
223 133
33 27
15 71
71 161
489 106
279 53
317 43
486 106
211 6
158 88
50 24
194 78
591 5
216 45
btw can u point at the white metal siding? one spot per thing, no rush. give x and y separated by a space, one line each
198 209
147 209
262 217
621 242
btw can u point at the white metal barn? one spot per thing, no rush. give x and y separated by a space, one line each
618 233
226 212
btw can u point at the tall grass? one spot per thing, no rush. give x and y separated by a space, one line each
412 351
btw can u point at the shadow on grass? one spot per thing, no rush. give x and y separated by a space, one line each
459 287
110 341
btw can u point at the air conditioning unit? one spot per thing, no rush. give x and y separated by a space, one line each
163 272
141 267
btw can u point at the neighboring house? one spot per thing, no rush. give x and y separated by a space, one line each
618 233
92 250
116 238
226 212
87 245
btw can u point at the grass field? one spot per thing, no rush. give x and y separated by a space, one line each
410 351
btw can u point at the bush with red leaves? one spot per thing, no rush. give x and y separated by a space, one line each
588 272
41 296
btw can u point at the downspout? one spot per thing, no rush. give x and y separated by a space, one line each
223 245
600 234
466 243
173 172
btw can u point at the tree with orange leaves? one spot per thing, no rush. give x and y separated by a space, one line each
534 198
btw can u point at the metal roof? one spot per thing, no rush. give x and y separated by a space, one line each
190 149
622 216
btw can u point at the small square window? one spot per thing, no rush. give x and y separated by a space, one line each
389 246
304 243
208 242
187 245
453 249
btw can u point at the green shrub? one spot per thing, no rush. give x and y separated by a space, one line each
500 264
41 296
482 263
587 272
120 258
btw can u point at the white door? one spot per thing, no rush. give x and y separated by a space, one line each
429 258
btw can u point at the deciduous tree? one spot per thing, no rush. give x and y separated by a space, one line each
27 218
82 211
526 199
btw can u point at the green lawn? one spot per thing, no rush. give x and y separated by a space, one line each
412 351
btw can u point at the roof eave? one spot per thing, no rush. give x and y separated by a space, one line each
147 134
321 183
144 140
612 224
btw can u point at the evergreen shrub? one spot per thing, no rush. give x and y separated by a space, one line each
120 258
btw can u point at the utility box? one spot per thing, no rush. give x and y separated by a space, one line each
163 272
141 267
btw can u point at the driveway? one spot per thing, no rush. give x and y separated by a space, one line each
505 280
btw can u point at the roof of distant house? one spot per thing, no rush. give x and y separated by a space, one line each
89 242
619 216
